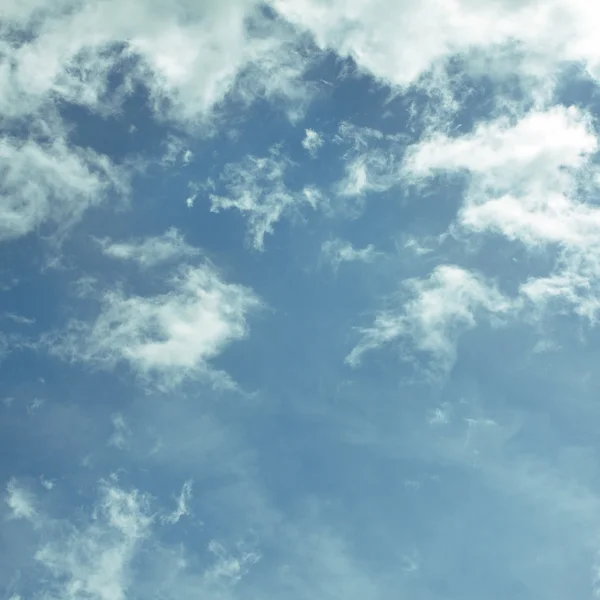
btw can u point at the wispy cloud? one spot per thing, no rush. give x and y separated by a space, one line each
257 188
338 251
20 501
190 59
94 560
114 550
121 433
449 301
151 251
53 182
371 160
182 509
171 336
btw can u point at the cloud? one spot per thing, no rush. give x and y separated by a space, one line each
521 174
440 307
183 501
337 251
51 181
94 560
367 31
121 432
170 336
189 56
19 319
371 160
228 567
20 501
151 251
528 181
312 141
175 151
113 550
256 187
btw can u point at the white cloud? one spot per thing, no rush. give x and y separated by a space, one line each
94 559
171 336
525 183
20 501
48 484
175 151
189 55
256 187
183 501
448 302
521 174
19 319
338 251
151 251
371 160
312 141
229 568
113 550
542 34
50 182
121 433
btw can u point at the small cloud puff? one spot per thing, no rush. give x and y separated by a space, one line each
312 141
337 251
20 501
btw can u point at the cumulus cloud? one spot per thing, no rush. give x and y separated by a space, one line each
522 174
170 336
338 251
527 182
151 251
188 54
440 307
367 31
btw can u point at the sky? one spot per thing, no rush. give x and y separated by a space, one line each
299 299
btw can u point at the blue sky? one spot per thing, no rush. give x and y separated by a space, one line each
299 299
